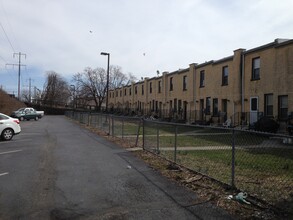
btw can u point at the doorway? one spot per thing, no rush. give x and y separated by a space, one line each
253 109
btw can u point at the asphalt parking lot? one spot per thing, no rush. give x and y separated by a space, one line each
54 169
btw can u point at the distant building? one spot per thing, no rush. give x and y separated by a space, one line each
242 87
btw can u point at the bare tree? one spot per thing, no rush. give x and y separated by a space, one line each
91 84
25 95
116 77
131 78
56 90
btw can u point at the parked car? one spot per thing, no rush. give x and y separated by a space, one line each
29 109
27 114
8 127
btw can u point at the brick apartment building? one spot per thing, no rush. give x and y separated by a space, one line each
243 87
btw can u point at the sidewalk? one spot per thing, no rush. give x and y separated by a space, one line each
142 193
97 179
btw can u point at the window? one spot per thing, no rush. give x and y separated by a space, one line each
151 87
225 76
255 69
142 89
159 86
283 107
268 105
120 93
129 91
215 107
184 83
3 117
135 91
201 79
208 105
124 91
171 84
116 93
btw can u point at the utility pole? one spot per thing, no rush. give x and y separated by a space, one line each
29 90
19 65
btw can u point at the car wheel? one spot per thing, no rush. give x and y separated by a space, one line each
7 134
21 118
36 118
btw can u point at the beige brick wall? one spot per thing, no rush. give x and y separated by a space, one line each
276 77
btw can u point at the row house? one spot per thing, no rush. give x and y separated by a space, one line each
243 87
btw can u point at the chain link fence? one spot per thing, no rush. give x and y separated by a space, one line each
259 163
127 128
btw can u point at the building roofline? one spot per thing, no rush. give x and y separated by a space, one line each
204 64
276 43
223 59
284 43
153 78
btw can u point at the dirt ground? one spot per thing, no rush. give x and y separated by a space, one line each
207 189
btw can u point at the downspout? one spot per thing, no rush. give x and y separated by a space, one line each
242 81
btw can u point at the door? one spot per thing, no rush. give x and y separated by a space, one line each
224 109
253 109
185 110
201 108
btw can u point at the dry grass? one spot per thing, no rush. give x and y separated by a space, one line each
207 189
9 104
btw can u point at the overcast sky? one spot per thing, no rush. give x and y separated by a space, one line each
142 36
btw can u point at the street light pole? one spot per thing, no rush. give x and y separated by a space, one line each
107 85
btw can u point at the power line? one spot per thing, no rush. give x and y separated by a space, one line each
19 65
9 24
7 37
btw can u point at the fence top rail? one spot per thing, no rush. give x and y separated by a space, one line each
268 134
219 128
148 120
119 116
186 125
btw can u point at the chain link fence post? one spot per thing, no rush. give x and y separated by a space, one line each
112 126
122 132
158 140
143 134
233 160
175 144
89 119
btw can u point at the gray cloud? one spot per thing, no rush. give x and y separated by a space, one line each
142 36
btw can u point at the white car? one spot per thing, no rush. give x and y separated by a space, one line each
8 127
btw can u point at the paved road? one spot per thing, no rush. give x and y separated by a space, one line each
55 169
